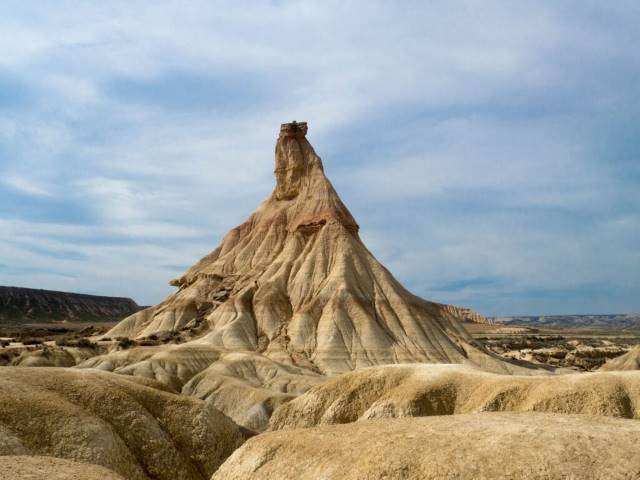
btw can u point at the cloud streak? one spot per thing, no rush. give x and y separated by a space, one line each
488 150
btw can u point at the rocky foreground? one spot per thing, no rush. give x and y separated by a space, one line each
126 424
34 467
426 390
462 447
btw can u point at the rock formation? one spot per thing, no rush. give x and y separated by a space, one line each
464 447
628 361
126 424
49 356
467 315
423 390
296 284
580 354
28 305
244 385
23 467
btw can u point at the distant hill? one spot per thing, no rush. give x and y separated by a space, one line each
28 305
622 321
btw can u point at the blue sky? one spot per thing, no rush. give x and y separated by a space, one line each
490 150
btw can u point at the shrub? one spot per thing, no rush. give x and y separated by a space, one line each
125 343
84 342
62 341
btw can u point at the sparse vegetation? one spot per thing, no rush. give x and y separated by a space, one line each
85 343
124 343
82 342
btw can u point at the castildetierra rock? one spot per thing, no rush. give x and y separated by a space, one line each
295 283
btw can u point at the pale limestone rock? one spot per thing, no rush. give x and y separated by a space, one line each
245 386
425 390
463 447
125 424
628 361
49 356
17 467
465 314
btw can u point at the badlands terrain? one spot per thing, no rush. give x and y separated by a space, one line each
289 351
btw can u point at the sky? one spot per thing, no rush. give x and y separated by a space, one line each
489 150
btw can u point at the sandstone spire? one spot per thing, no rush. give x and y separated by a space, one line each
296 284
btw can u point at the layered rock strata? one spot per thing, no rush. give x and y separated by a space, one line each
295 283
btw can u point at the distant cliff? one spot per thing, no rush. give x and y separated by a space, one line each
466 315
27 305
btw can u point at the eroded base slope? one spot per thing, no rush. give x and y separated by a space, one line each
115 421
246 386
424 390
488 445
628 361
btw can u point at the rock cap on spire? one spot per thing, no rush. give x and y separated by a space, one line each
293 129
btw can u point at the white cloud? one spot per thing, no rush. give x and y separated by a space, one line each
474 131
25 185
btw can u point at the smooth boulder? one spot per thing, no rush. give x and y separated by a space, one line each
461 447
